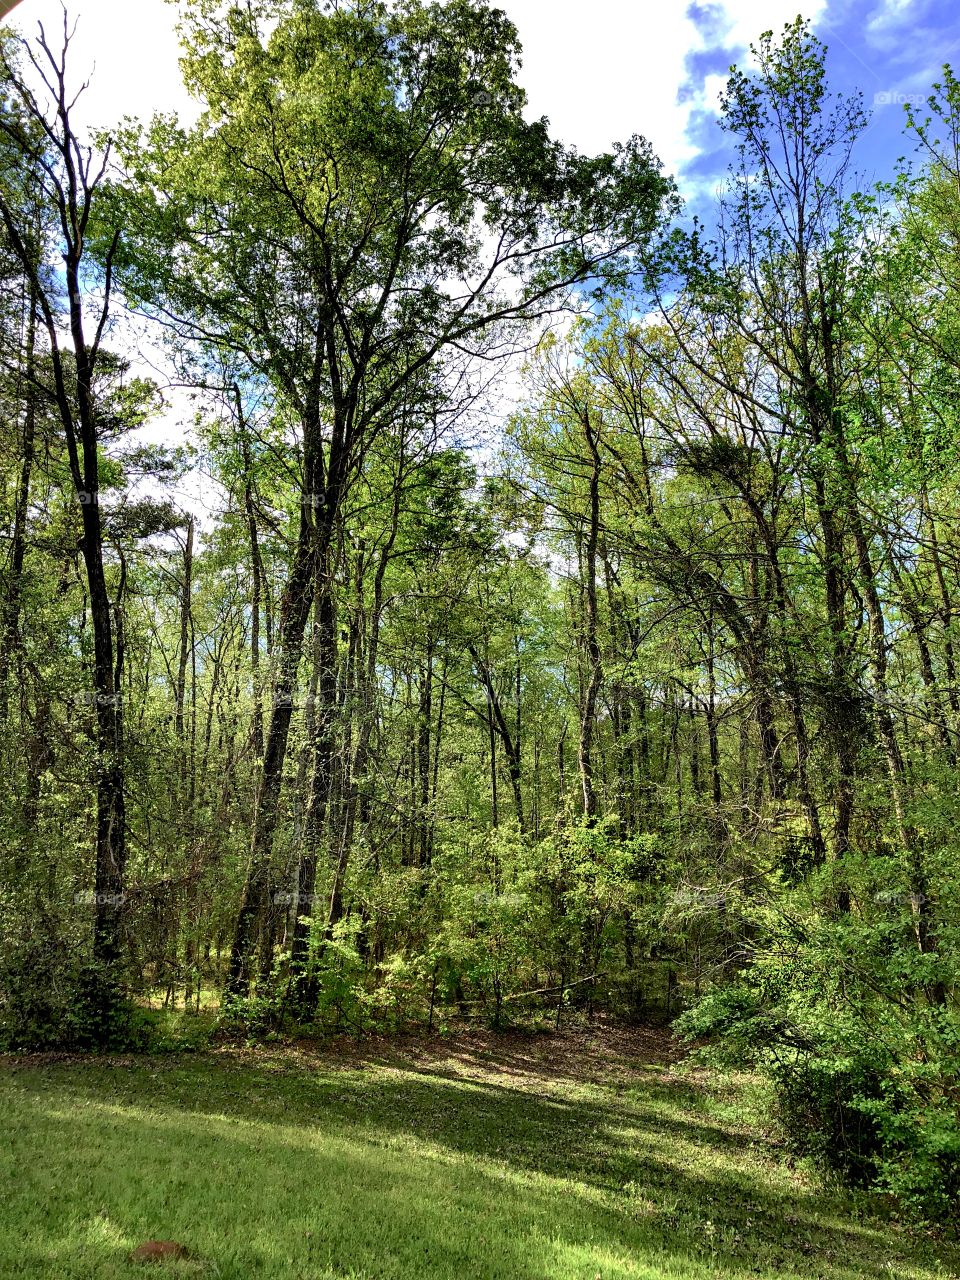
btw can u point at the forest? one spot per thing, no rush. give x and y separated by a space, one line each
565 649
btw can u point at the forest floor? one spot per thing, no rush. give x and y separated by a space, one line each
579 1156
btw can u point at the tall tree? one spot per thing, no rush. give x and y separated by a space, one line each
41 146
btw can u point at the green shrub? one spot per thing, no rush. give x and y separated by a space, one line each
863 1059
52 996
823 1109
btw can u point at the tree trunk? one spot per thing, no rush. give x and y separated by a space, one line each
18 544
294 610
588 711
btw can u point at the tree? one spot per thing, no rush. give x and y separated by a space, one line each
40 146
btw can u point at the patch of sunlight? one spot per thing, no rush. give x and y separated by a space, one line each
587 1259
185 1123
498 1169
99 1230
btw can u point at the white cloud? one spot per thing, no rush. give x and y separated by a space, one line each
748 18
128 51
604 71
889 15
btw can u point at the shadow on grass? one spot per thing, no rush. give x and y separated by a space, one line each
401 1172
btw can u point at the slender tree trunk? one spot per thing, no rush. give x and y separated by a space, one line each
425 754
896 767
499 727
257 577
294 610
18 543
186 593
588 713
316 826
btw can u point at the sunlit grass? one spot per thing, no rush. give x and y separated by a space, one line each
286 1165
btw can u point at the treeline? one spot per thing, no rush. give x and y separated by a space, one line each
651 708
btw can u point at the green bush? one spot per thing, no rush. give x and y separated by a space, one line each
823 1108
838 1013
254 1016
52 996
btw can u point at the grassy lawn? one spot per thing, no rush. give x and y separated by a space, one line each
527 1158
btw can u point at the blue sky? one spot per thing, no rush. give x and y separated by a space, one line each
891 51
